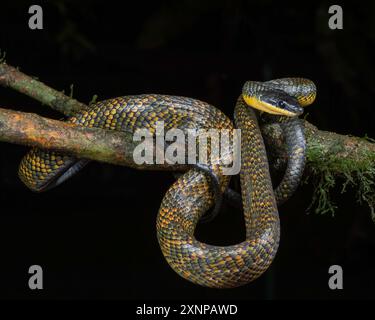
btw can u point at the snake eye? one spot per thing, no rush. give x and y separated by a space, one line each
281 104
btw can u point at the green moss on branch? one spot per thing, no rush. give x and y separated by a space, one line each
351 159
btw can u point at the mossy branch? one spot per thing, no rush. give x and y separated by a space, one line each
330 156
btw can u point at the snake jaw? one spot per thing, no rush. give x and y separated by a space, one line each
272 98
269 105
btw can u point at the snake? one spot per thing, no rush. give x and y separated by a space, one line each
192 195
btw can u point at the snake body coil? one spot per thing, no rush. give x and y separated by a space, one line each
191 195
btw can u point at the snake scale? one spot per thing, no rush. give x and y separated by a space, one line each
191 195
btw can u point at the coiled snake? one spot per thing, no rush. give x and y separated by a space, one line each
191 195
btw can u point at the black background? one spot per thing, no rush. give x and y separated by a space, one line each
95 235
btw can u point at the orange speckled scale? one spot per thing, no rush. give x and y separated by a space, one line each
126 113
228 266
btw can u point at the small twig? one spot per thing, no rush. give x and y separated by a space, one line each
93 99
2 57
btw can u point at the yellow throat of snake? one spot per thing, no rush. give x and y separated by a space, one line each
266 107
283 97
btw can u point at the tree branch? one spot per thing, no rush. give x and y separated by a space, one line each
15 79
329 155
91 143
324 149
110 146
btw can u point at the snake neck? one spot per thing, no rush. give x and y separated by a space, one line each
293 143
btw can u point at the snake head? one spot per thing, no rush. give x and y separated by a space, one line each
273 101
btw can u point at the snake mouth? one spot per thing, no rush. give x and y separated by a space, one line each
289 110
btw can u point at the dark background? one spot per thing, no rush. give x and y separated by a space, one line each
95 235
